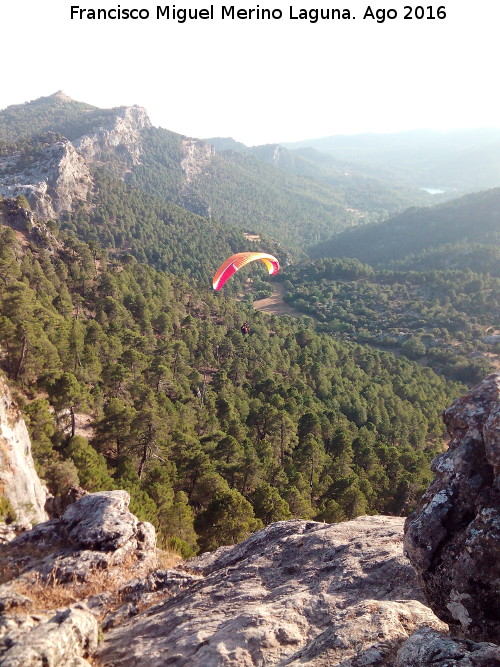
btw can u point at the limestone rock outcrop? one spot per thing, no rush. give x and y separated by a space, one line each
52 182
63 640
19 482
97 531
57 176
453 539
117 140
97 543
102 521
197 155
295 593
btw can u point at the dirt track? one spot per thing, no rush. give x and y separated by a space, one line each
274 305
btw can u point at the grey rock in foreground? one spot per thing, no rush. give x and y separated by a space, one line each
295 593
453 539
60 641
96 532
427 648
101 521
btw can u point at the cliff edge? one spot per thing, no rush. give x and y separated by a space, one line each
19 482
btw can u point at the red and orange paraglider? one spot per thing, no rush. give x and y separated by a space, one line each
235 262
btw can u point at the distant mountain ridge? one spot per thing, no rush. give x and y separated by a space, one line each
240 192
460 233
461 160
297 197
365 192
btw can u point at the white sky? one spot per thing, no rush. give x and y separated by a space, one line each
262 81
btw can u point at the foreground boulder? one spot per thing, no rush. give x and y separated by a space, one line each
65 639
88 555
96 532
453 539
295 593
102 521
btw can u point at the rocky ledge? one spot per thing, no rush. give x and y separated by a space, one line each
297 592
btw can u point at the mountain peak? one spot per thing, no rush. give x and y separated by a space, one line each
61 95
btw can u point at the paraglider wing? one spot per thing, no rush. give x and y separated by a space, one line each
235 262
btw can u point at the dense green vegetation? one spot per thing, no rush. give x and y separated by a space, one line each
239 190
299 200
126 219
51 114
369 198
108 314
478 257
213 432
440 315
242 190
441 237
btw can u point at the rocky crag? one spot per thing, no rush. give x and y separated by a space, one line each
53 181
58 174
453 539
116 141
295 593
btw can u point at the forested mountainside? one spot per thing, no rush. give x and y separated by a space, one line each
133 373
447 319
213 432
55 113
453 160
299 201
460 234
371 196
425 283
125 218
242 190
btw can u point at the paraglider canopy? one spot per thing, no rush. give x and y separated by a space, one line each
235 262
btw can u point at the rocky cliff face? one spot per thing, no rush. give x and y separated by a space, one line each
453 539
58 176
53 182
197 155
19 482
117 140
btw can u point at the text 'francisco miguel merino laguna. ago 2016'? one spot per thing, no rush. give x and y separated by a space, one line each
230 12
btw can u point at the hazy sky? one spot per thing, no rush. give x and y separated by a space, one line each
262 81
